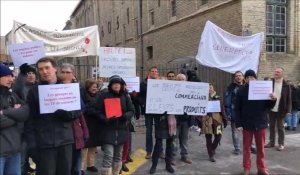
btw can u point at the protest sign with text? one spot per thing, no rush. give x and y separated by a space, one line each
59 96
117 61
260 90
67 43
176 97
132 84
29 52
223 50
214 106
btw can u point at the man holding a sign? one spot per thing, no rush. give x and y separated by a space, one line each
251 118
51 132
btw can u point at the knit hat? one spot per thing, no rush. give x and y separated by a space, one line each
4 71
25 68
115 79
250 72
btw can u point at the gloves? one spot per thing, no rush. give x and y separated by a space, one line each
112 119
225 123
165 113
185 114
123 118
62 114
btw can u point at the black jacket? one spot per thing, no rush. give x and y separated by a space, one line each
48 130
251 114
92 119
295 98
10 135
114 131
161 127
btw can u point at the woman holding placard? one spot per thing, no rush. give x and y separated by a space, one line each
115 111
212 123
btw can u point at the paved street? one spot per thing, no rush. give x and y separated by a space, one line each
278 163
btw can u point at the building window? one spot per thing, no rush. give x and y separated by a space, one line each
128 16
118 23
102 32
136 28
173 7
158 3
152 17
109 27
276 25
204 2
150 52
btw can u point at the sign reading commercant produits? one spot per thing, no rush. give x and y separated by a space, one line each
176 97
68 43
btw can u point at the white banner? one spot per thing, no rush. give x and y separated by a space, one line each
176 97
66 43
59 96
214 106
260 90
229 52
117 61
29 52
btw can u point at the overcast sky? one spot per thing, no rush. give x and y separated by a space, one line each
44 14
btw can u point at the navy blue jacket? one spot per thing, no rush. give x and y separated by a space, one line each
251 114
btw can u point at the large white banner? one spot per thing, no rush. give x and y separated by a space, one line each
176 97
117 61
223 50
66 43
59 96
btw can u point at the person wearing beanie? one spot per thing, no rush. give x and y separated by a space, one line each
13 111
25 81
115 111
251 119
282 108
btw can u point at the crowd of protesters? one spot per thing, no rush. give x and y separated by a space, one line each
65 142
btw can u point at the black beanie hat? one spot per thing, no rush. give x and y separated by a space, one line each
115 79
250 72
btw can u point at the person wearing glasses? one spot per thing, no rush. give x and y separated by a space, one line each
212 125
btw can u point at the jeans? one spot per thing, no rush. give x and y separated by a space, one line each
10 165
259 136
292 120
277 118
149 120
235 137
183 135
157 151
112 154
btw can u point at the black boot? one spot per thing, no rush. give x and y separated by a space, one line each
152 169
169 168
124 167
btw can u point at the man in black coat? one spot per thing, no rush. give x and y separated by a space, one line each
51 134
251 118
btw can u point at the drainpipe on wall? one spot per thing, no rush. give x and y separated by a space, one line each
140 10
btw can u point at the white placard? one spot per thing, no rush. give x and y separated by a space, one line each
214 106
176 97
223 50
59 96
117 61
260 90
29 52
133 84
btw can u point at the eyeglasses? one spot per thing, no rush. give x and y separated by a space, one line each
66 72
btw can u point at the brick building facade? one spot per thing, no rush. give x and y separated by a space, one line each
171 29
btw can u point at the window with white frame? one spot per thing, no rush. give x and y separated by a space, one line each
276 25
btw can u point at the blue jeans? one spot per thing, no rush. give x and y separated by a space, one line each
291 120
10 165
235 137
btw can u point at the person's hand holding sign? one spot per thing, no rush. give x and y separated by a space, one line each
273 96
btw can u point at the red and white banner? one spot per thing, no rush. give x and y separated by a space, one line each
67 43
228 52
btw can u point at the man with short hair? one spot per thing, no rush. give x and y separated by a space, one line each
282 107
67 72
149 118
13 112
171 75
51 134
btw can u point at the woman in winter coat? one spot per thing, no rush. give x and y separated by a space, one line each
89 96
116 110
212 125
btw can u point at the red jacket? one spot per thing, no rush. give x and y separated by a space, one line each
80 132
